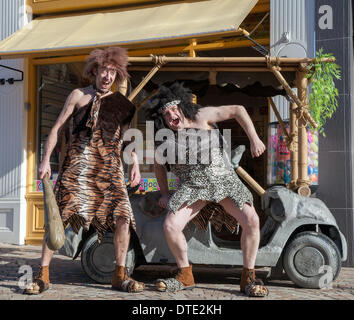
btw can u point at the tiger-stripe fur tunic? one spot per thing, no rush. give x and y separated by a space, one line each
91 186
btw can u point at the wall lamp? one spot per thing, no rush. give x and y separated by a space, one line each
10 80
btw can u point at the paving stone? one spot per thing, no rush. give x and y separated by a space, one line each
69 282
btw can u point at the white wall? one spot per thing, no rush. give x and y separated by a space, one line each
13 129
296 17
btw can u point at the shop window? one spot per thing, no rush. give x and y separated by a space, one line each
55 83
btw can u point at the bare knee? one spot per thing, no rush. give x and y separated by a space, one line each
122 225
170 226
252 220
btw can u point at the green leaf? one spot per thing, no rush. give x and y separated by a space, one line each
323 98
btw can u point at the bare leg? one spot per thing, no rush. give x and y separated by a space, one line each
173 227
249 221
121 241
121 245
41 280
47 254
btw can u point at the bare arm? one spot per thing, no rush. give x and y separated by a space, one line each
52 140
239 113
135 170
161 176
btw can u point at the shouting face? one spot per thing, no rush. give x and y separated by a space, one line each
174 118
105 77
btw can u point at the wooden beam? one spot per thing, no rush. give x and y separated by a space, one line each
261 6
217 45
280 120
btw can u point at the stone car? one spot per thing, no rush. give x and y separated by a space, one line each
300 237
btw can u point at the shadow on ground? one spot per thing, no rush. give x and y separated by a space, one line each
64 270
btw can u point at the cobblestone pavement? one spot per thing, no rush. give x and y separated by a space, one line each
69 282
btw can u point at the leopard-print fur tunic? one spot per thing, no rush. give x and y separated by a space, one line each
211 180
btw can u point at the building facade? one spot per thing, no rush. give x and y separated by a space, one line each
13 132
28 108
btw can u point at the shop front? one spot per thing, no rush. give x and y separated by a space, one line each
55 44
226 71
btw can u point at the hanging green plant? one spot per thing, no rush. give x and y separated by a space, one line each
323 97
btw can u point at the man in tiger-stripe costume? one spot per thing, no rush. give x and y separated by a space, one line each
90 188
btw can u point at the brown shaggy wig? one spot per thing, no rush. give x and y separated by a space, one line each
112 55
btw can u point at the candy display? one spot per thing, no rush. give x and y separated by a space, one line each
146 185
278 166
150 184
38 186
313 157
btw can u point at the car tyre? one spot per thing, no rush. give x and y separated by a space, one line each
98 259
312 260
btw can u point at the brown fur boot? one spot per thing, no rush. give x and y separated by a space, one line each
121 281
246 279
40 283
118 276
185 281
185 276
252 286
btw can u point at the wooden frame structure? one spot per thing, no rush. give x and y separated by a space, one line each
296 138
299 115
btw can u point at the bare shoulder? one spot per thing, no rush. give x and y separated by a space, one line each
77 96
212 114
206 115
77 93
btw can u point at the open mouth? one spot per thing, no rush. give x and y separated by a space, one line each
105 84
175 122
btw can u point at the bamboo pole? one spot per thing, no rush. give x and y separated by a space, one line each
192 45
293 148
159 63
242 60
210 69
123 87
294 62
290 92
303 180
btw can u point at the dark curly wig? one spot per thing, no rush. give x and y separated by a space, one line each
167 94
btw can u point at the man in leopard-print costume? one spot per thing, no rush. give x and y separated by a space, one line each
202 184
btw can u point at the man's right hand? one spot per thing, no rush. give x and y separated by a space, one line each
163 201
43 169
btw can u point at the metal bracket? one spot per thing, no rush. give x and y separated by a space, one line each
258 47
10 80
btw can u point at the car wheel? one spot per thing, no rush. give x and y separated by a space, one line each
312 260
98 259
